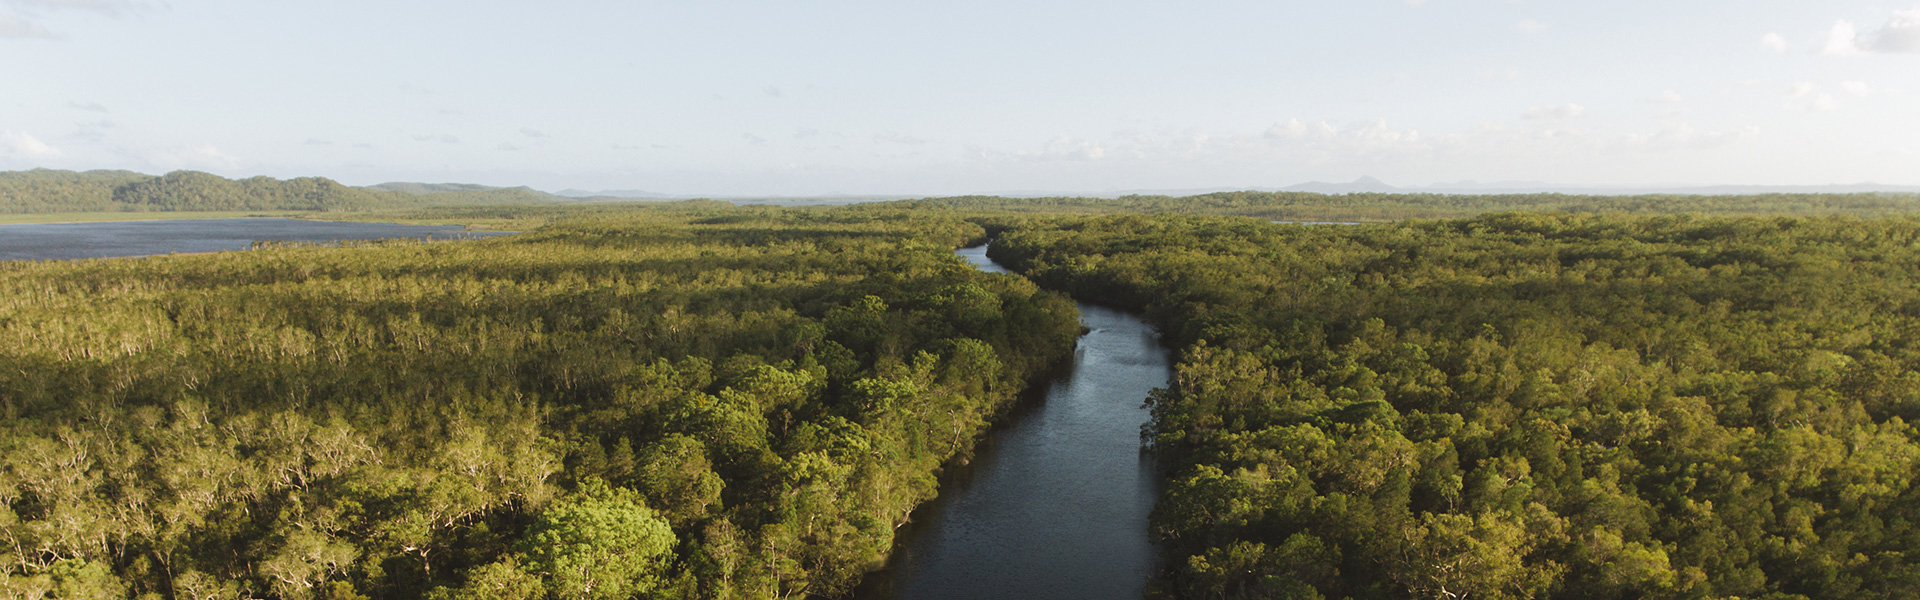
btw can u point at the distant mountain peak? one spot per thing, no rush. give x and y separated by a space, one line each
1366 184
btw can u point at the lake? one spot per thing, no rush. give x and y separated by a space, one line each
44 241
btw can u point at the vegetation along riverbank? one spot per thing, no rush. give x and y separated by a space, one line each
1524 405
706 402
701 400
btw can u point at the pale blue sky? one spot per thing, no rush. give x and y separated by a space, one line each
810 97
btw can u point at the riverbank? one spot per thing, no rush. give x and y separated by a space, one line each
1055 503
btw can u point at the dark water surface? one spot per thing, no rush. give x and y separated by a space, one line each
1055 503
41 241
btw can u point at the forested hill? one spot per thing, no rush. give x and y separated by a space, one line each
1307 206
467 194
47 191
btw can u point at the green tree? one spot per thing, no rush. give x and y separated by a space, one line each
602 543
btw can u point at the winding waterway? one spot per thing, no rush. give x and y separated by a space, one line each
1055 502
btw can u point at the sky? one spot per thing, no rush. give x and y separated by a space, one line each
730 97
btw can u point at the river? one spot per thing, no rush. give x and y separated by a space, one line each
1054 505
43 241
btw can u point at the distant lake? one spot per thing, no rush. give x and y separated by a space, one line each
43 241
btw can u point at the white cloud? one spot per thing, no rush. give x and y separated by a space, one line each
754 139
1295 129
1292 129
1902 33
1857 88
1072 149
1530 27
1555 112
1320 140
1376 134
444 138
533 133
1815 100
21 144
1669 97
1774 42
16 28
87 106
802 133
772 91
1843 39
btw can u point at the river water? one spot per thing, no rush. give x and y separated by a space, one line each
1055 502
42 241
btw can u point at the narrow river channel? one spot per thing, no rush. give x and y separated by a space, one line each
1055 502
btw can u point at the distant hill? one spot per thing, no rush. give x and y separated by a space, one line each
814 200
1363 185
1388 206
1369 185
626 194
473 193
48 191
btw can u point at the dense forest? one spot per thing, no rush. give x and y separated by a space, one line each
697 400
1523 405
1311 207
44 191
693 401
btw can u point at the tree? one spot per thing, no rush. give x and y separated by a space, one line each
602 543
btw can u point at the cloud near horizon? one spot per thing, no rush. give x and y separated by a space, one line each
1901 34
15 28
1409 90
24 145
1774 42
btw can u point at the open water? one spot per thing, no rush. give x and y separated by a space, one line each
42 241
1054 505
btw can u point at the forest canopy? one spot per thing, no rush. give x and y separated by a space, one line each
1524 405
695 401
